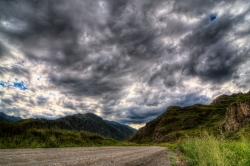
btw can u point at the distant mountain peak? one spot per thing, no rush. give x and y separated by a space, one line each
8 118
89 122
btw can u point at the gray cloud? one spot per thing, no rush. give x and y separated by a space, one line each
213 59
40 100
125 60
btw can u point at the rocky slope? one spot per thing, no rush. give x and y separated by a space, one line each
237 115
177 122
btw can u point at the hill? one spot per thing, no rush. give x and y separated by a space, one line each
95 124
79 122
6 118
177 122
2 120
119 125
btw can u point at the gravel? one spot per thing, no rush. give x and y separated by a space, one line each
99 156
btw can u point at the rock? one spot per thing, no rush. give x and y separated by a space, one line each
237 115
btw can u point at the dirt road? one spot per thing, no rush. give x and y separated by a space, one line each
106 156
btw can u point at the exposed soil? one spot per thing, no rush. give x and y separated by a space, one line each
105 156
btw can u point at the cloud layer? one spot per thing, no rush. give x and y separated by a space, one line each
123 60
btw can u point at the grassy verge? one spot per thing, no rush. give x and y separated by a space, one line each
169 145
55 138
207 150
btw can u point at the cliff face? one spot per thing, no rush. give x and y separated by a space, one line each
237 115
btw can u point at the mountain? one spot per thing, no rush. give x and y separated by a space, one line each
95 124
6 118
79 122
2 120
118 124
126 130
178 122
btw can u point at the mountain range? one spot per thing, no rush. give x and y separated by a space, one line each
79 122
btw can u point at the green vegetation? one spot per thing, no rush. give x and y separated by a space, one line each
171 146
52 138
177 122
35 138
209 150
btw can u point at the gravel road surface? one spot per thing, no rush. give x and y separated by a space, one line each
106 156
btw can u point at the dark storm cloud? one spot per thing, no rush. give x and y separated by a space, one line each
69 105
40 100
3 50
135 115
55 29
199 7
95 85
6 102
212 58
130 56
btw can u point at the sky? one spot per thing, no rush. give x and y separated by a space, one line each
124 60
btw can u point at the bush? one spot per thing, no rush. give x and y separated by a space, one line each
207 150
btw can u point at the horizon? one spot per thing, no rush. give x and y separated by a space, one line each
125 61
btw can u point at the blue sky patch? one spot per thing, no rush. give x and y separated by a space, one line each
5 84
15 84
212 17
2 84
20 85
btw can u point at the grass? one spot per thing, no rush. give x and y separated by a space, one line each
208 150
171 146
35 138
176 122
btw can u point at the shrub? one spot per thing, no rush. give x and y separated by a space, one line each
207 150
